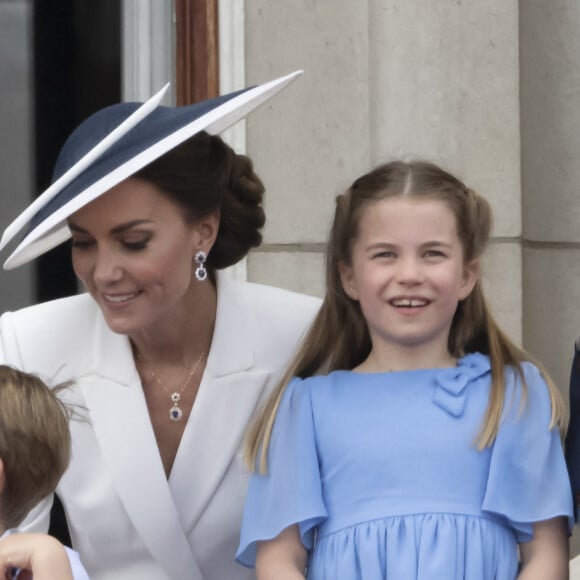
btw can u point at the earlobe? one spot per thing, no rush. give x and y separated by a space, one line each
347 280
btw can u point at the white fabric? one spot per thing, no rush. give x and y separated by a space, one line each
127 520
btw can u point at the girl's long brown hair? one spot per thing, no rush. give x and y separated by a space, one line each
339 339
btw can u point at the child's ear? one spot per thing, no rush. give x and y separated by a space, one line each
470 277
348 280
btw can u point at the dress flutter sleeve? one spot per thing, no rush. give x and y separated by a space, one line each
528 480
290 492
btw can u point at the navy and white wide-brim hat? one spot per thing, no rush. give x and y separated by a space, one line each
112 145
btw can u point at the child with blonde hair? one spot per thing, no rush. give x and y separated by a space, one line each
34 453
410 438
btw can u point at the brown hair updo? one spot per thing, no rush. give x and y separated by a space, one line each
204 174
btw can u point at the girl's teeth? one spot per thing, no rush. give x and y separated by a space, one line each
410 303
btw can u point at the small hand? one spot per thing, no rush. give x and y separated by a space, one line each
36 554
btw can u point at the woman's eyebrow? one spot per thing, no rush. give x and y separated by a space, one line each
116 230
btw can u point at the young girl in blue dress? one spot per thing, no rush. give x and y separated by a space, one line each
410 438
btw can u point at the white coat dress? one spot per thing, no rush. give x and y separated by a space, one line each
127 520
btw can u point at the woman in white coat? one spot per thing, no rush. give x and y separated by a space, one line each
169 357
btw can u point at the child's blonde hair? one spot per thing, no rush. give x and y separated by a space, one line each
339 337
35 443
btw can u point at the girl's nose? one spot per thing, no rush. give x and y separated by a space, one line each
409 271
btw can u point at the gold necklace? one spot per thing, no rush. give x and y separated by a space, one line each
175 411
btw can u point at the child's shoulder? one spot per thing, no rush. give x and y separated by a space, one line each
526 373
313 382
318 384
527 390
514 375
330 378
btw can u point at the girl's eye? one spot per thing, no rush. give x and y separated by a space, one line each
434 254
384 254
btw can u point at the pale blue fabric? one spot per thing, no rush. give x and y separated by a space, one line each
383 477
78 570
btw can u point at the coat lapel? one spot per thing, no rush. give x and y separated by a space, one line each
229 393
120 420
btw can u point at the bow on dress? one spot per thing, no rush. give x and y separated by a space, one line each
451 384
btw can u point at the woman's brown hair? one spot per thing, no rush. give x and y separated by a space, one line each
205 174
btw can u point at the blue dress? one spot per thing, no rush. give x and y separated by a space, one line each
383 477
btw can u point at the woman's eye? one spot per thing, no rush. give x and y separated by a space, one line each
434 254
136 245
80 244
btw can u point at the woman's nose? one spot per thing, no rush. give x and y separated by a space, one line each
106 268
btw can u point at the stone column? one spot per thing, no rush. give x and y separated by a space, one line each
550 105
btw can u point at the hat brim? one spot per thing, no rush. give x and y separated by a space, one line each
62 198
